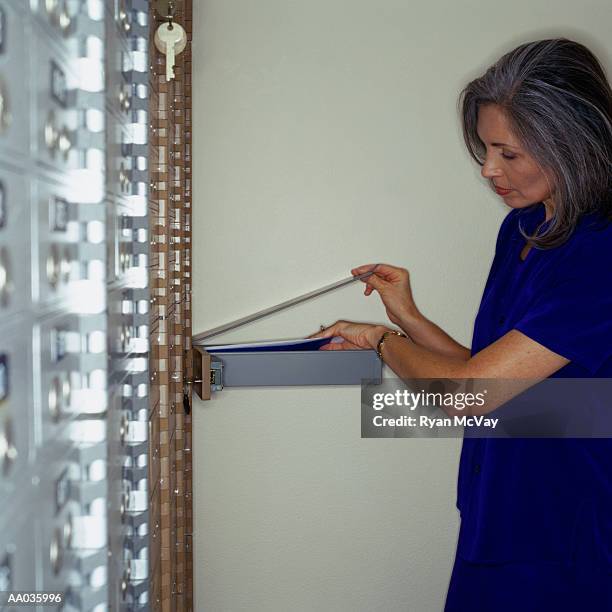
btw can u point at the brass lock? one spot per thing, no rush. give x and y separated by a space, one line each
165 8
207 376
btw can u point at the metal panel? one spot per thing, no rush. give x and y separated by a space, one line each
74 301
14 244
127 305
297 368
14 96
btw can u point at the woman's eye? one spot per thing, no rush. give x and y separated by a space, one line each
508 156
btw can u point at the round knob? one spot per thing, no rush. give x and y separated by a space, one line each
64 266
64 142
53 266
67 532
5 113
51 6
5 277
51 133
54 399
125 504
8 452
124 101
56 551
123 429
124 19
64 21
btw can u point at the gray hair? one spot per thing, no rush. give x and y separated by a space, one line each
558 103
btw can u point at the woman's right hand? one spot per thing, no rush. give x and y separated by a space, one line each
393 286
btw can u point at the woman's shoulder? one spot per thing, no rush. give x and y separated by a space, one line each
593 232
596 225
590 241
589 249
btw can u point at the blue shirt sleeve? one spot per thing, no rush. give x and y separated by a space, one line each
571 314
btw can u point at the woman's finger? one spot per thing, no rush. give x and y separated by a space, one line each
333 346
384 277
381 269
375 282
339 346
364 268
320 334
328 332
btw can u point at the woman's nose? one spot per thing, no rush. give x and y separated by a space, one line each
489 169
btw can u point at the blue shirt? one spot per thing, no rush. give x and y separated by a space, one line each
547 500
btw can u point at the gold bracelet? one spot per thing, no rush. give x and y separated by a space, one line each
390 332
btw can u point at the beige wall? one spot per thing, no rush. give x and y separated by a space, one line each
326 136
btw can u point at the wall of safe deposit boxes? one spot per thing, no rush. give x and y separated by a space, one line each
74 300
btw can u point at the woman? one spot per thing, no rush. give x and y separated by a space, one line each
536 514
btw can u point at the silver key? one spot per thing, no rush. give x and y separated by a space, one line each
170 39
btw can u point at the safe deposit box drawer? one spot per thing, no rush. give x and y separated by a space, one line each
296 368
212 371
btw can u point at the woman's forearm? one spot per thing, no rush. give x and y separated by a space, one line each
526 366
427 334
410 360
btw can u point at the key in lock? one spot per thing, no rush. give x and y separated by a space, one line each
165 8
170 39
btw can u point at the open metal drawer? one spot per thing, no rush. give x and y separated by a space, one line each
213 371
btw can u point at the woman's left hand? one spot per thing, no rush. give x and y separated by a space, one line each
355 335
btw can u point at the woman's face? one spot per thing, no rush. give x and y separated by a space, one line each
515 175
